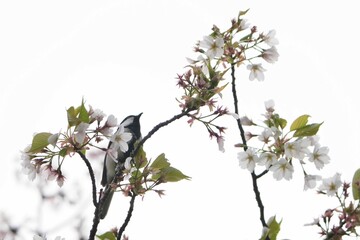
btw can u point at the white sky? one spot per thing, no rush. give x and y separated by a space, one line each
123 56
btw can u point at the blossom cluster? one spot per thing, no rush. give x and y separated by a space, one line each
341 220
47 152
143 175
280 149
218 52
86 129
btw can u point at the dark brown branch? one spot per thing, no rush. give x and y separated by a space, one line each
258 199
254 177
96 219
128 216
92 176
262 174
242 132
157 127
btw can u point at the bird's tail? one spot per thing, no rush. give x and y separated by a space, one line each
106 204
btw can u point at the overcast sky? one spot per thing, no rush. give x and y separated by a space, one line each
123 56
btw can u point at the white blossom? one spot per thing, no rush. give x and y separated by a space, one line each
256 72
245 121
248 159
310 181
248 135
234 115
120 139
270 55
297 149
314 222
109 124
47 172
111 121
270 38
81 132
268 159
265 135
129 169
319 156
282 169
270 105
97 114
214 46
27 165
314 140
331 185
244 24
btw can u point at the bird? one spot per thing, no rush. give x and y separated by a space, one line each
131 124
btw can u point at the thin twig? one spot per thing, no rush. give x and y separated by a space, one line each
157 127
258 199
92 176
242 132
96 219
254 177
262 174
128 216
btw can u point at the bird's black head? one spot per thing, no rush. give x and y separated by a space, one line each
132 123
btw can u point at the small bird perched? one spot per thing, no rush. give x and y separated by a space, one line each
130 130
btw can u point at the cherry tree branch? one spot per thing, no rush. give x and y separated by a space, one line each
157 127
92 176
128 216
254 177
96 219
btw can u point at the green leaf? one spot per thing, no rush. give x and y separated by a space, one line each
212 73
73 120
281 122
83 113
39 142
273 229
276 121
62 152
268 123
300 122
219 89
155 176
308 130
171 174
140 158
160 162
356 185
107 236
241 13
